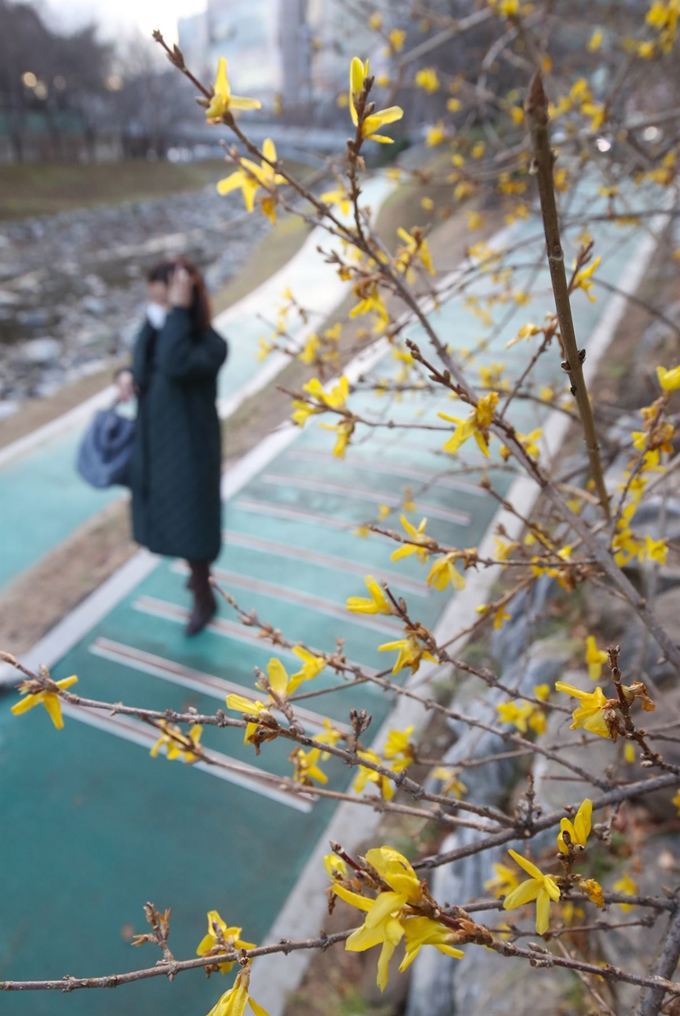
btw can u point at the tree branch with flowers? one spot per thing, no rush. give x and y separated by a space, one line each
580 529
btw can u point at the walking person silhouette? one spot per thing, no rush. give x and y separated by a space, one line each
177 456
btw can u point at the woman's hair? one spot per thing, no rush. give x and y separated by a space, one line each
200 305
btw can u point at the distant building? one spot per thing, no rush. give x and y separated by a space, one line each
295 42
298 48
242 31
338 34
194 42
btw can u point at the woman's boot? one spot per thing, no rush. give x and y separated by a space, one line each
205 604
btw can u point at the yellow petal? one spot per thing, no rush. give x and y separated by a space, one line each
364 938
385 904
239 102
205 945
583 821
542 912
380 138
551 888
257 1009
26 703
524 893
230 183
215 919
278 678
528 866
389 115
239 704
53 707
569 689
357 74
386 954
354 899
221 80
67 682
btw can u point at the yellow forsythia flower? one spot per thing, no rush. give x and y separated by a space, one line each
358 72
590 714
669 379
234 1001
444 571
539 887
410 653
222 100
593 890
389 918
427 79
221 939
594 658
595 40
396 38
578 830
49 699
420 541
250 177
628 887
377 604
504 881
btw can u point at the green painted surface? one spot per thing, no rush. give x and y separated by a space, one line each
42 500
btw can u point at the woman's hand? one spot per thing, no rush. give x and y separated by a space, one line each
125 385
181 288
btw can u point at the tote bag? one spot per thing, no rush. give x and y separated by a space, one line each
105 452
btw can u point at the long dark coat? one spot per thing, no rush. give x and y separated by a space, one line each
176 462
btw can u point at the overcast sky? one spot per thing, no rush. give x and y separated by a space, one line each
115 15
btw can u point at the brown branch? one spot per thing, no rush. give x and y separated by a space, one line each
652 998
615 796
537 113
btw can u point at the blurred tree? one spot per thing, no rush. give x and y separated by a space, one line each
45 76
56 85
147 99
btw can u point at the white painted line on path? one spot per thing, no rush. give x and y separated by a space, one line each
326 561
343 490
259 781
187 677
75 626
230 580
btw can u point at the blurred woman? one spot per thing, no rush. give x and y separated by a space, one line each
176 463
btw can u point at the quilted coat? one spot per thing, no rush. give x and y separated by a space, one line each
176 462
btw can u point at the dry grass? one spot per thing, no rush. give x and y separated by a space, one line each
45 189
41 596
271 253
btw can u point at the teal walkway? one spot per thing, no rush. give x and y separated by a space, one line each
93 827
42 498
